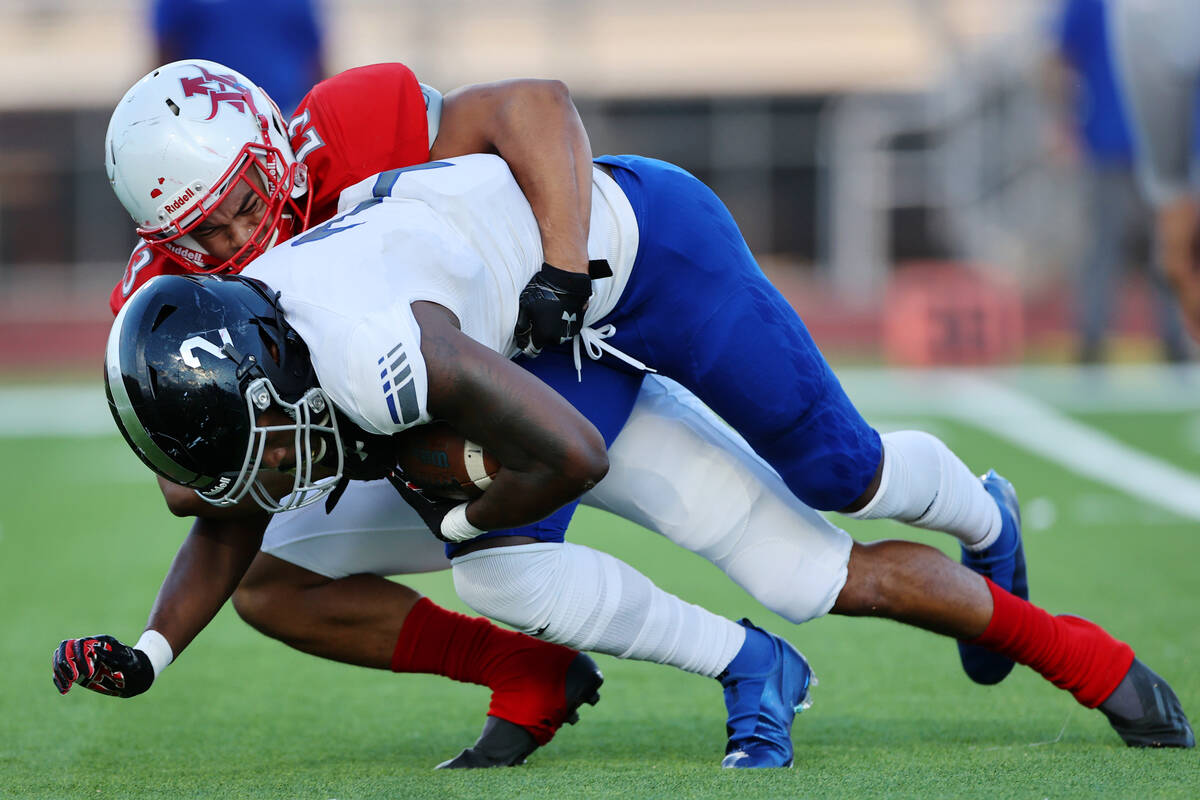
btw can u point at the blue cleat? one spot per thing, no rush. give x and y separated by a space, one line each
1004 564
762 706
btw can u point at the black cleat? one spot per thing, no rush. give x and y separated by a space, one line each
506 744
1162 722
501 744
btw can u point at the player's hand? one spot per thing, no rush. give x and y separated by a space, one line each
431 509
102 664
551 308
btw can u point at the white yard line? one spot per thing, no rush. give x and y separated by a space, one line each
1041 429
991 401
1140 388
66 410
1001 402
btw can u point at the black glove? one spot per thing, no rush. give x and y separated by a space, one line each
551 308
432 509
102 664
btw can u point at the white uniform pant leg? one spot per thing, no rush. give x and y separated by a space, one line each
677 469
371 530
580 597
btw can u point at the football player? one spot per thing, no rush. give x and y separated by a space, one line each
308 378
1156 48
314 584
349 126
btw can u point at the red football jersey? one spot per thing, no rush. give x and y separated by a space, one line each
357 123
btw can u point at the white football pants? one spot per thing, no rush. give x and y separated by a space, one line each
675 469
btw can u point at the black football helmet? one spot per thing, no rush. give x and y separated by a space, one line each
192 364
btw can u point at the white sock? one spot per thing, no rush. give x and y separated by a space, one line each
927 486
586 599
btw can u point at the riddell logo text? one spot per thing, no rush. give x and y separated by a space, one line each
186 253
179 201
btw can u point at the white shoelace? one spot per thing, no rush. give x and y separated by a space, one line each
596 347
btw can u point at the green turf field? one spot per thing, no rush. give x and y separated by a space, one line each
84 544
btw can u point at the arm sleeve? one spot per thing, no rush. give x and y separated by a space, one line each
368 120
387 381
433 111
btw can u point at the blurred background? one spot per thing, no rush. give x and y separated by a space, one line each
908 171
943 190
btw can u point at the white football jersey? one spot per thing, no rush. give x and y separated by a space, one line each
458 233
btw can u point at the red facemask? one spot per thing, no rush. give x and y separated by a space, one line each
284 215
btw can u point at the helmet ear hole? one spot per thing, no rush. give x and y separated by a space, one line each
152 374
269 345
163 313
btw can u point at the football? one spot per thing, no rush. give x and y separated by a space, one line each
441 461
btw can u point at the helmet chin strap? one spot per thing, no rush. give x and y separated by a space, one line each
274 235
300 181
319 456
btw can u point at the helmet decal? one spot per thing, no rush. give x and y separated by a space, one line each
227 90
187 350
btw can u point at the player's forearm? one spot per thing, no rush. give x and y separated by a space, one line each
551 158
206 570
551 453
534 126
517 498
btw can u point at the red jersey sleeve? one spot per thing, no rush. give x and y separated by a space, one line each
355 124
143 265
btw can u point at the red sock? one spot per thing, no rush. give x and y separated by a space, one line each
1069 651
527 676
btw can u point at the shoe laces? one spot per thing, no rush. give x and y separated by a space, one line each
593 344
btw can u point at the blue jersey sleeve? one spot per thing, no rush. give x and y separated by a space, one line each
167 17
1072 33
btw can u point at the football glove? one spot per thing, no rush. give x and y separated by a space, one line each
431 509
102 664
551 308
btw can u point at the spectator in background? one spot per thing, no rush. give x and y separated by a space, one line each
1156 44
1092 128
276 41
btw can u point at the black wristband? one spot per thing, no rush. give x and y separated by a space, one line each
567 281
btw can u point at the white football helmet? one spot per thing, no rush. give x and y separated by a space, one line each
181 138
